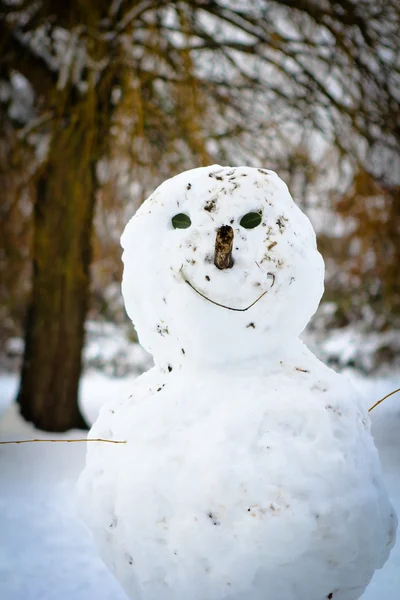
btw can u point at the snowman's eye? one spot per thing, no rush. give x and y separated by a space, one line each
251 220
181 221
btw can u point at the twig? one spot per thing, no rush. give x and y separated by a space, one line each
217 303
53 441
382 399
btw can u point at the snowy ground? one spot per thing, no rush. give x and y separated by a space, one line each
47 554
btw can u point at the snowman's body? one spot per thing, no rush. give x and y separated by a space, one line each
250 472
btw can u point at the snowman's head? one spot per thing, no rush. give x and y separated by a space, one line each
220 265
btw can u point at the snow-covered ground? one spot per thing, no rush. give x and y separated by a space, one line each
47 554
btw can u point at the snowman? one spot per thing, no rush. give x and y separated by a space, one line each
249 471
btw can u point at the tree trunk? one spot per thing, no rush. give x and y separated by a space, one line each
63 218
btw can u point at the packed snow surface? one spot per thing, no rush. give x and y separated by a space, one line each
249 472
46 552
276 265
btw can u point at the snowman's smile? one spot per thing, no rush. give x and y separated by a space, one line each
224 305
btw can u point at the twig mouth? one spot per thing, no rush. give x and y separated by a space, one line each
218 303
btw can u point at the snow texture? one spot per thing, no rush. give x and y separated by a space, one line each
249 472
278 257
46 553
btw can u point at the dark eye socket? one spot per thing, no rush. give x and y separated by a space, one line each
251 220
181 221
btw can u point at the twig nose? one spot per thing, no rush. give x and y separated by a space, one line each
223 247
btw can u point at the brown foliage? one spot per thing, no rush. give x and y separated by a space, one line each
367 254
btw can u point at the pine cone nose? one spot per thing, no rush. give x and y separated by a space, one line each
223 247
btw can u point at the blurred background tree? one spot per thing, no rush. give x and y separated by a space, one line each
100 101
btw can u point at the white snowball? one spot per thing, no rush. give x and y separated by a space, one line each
249 471
278 257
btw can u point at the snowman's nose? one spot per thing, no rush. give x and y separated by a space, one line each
223 247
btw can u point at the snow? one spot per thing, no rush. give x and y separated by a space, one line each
385 428
47 553
177 475
249 464
276 262
108 348
349 345
192 467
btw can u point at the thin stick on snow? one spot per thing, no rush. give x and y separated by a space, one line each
382 399
65 441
